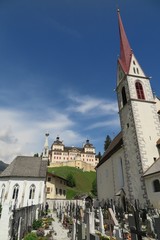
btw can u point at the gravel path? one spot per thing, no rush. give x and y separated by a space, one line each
61 232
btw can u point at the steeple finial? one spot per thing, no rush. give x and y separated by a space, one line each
125 49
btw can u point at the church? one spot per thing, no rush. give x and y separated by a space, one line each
129 170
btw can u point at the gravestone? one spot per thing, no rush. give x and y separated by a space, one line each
81 231
157 227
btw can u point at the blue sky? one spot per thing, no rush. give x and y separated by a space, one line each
58 62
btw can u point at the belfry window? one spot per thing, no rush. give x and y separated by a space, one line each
32 192
156 185
124 98
139 90
15 192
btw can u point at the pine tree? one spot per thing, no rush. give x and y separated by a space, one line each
107 142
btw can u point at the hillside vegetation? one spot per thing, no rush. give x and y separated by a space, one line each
83 180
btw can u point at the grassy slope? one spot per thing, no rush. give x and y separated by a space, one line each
83 179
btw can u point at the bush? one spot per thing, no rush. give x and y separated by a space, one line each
31 236
71 180
37 224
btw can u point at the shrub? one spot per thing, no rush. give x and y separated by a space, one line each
37 224
31 236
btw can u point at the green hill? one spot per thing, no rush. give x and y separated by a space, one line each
83 180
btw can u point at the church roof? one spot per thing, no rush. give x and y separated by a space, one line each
154 168
26 166
125 49
114 146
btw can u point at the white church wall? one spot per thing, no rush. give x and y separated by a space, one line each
153 196
23 192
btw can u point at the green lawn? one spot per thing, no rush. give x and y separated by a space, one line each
83 179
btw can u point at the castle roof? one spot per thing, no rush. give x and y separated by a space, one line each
26 166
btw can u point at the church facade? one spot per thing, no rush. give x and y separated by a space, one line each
120 173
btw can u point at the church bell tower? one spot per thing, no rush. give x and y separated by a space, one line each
138 117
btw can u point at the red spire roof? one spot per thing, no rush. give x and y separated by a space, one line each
125 49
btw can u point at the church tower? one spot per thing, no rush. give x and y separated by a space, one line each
138 117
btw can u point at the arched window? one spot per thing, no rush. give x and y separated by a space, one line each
156 185
124 98
15 192
32 191
2 192
139 90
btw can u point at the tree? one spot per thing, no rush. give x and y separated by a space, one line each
94 187
99 156
71 180
107 142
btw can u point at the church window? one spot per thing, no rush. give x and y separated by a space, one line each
32 192
124 98
137 70
156 185
15 192
134 63
2 192
134 70
139 90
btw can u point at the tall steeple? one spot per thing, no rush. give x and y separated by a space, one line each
45 155
125 49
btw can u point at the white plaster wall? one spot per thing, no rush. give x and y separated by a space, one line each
154 197
23 194
108 182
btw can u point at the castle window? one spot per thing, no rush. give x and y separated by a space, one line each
15 192
156 185
32 192
139 90
124 98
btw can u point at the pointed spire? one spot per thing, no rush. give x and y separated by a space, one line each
45 155
125 49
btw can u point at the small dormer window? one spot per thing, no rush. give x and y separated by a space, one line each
139 90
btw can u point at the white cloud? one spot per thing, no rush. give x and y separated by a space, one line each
92 105
110 123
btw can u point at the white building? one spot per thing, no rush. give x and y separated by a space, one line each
22 194
60 153
120 173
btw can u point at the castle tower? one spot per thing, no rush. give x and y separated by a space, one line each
139 119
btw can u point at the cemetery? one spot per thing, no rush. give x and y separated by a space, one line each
81 220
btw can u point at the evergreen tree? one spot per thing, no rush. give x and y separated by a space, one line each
107 142
94 187
71 180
